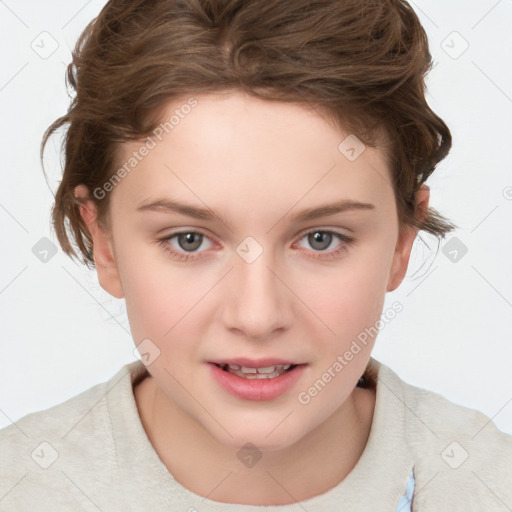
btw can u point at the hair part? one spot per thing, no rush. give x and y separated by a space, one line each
363 62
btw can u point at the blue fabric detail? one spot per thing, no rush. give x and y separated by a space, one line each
404 504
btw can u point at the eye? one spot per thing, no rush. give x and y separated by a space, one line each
187 243
320 240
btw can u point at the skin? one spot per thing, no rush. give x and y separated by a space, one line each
257 164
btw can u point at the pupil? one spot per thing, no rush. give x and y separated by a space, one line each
188 238
320 237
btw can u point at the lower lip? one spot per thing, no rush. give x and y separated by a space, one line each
257 389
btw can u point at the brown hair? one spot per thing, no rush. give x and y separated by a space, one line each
363 62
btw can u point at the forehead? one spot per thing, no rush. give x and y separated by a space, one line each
236 150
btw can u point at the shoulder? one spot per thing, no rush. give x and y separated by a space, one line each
54 422
459 454
39 449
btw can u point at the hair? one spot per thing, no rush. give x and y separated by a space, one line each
361 62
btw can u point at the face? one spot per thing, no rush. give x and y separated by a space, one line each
249 270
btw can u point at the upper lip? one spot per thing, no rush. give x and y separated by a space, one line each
254 363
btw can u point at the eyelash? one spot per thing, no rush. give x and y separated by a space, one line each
346 243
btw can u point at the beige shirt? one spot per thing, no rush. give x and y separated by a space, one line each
91 453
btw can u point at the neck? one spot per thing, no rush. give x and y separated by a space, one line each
312 466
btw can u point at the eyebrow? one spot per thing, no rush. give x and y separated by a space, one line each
167 205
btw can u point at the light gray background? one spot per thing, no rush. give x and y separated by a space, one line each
61 333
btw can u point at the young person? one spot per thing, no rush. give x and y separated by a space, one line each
250 177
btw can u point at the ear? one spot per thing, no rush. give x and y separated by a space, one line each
103 253
404 243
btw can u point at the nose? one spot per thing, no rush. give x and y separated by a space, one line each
258 305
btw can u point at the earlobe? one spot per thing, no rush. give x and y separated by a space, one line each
103 251
404 243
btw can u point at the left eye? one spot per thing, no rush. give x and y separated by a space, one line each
321 240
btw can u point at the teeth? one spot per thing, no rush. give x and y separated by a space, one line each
265 375
244 369
268 372
268 369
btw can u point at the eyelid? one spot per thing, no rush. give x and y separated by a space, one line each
298 236
325 229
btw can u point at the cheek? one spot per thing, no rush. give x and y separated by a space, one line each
350 298
156 299
350 302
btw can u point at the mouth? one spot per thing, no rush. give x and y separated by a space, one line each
262 379
260 372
